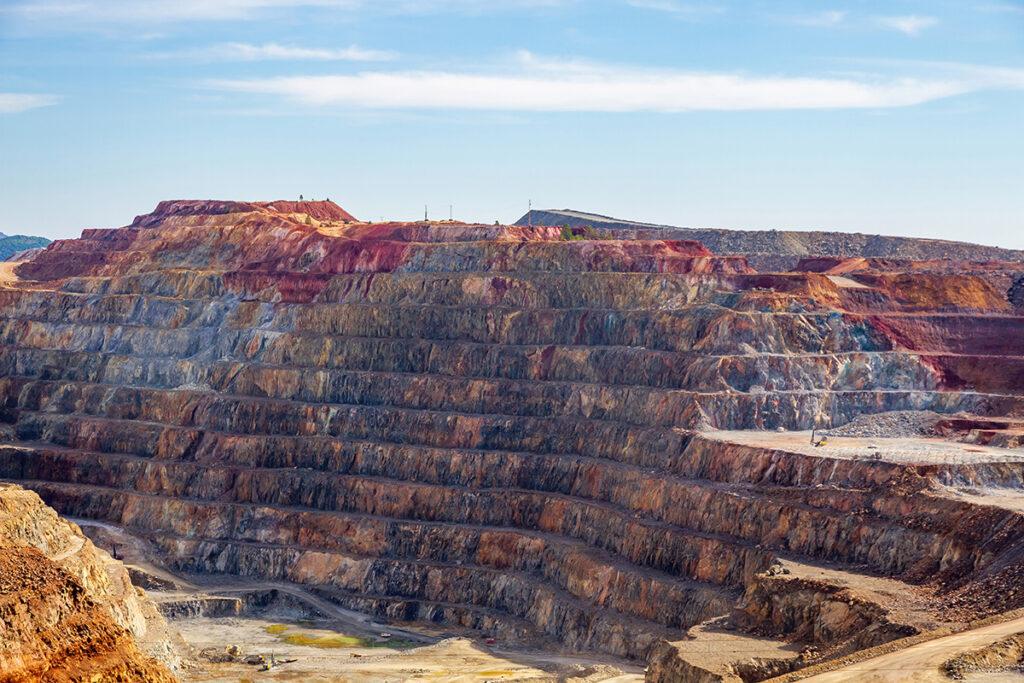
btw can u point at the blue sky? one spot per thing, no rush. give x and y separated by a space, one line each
895 117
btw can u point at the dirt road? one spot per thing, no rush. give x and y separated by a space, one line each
921 663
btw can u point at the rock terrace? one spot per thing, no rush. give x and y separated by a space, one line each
516 428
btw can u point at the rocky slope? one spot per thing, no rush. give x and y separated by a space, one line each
512 429
67 610
780 249
10 245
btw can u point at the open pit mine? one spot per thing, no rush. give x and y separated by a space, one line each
577 451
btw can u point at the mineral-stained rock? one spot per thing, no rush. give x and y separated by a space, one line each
67 610
510 427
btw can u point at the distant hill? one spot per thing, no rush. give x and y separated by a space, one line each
12 244
781 249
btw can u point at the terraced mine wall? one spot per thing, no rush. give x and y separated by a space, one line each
488 426
779 249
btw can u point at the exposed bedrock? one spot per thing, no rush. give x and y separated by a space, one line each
818 613
498 428
68 612
614 507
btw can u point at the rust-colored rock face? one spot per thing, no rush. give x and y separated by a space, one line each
510 427
63 616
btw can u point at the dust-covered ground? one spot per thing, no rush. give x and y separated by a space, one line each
923 662
899 450
453 659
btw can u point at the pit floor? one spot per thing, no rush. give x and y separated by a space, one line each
455 659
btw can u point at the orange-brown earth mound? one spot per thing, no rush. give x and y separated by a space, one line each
512 428
62 616
53 631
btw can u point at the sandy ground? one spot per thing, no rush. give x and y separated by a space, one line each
456 659
902 450
841 281
715 649
906 451
1010 499
920 663
7 276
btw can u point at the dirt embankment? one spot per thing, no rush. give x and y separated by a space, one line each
66 613
1003 655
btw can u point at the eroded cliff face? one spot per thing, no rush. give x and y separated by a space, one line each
497 427
67 610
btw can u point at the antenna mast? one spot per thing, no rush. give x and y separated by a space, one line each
529 212
425 219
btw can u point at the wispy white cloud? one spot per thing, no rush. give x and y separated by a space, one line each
462 6
150 11
821 19
545 85
14 103
78 13
1003 7
911 25
676 8
247 52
